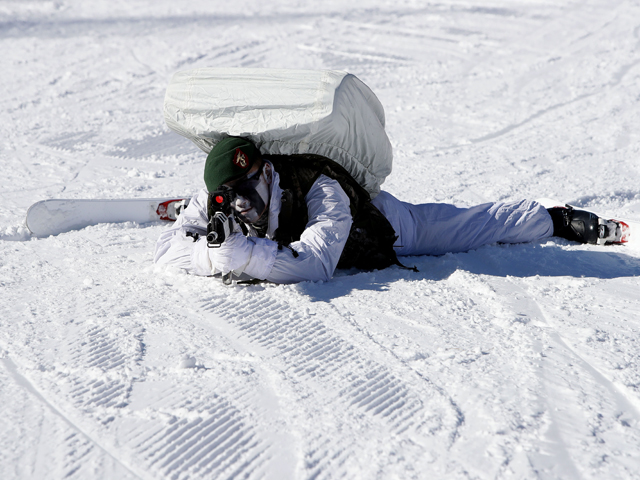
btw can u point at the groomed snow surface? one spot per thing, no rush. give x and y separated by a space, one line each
518 361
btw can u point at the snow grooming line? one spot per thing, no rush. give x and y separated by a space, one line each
348 382
24 382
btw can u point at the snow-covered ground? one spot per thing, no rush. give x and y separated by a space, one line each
517 361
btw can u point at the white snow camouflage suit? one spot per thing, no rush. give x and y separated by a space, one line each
426 229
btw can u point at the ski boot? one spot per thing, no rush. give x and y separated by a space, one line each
586 227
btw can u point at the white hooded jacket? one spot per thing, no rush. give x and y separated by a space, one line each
318 249
426 229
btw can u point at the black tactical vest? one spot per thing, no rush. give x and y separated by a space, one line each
371 239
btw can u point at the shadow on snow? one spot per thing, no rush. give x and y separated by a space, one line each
550 259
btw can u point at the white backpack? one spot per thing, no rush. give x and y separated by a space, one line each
324 112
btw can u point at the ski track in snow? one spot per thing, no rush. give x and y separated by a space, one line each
358 385
510 361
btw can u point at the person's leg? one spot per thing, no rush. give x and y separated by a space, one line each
438 228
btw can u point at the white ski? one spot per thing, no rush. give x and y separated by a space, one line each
52 217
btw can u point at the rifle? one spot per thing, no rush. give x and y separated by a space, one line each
221 220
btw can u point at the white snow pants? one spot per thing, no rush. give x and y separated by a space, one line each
438 228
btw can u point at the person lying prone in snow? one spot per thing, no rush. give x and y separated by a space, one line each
299 217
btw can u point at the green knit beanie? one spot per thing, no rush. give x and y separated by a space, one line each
230 158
